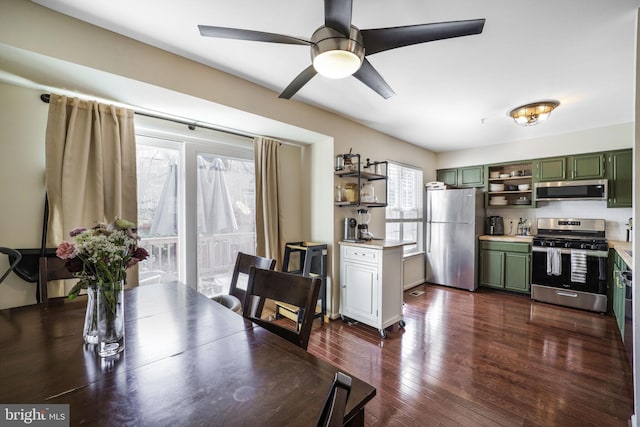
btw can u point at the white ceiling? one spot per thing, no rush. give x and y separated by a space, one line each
450 94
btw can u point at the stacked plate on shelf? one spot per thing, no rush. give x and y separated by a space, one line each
498 201
522 201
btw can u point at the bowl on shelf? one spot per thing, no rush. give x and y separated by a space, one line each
523 187
504 175
517 173
495 174
496 187
511 187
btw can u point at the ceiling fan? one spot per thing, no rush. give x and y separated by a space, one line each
338 49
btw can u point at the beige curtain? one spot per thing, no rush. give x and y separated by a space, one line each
267 168
90 166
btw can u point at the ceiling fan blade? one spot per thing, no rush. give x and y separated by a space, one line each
256 36
381 39
337 15
297 83
370 77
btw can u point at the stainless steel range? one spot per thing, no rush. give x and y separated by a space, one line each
569 264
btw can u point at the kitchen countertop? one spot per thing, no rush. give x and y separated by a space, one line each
622 247
378 244
507 238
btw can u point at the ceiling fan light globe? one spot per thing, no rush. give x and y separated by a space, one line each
336 64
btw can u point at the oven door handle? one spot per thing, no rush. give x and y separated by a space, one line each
566 294
565 251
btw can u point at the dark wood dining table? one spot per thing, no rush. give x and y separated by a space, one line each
188 361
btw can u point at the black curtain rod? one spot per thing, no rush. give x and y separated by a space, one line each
45 97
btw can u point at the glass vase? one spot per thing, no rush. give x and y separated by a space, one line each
110 318
90 330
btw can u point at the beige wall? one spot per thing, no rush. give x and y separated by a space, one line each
22 128
588 141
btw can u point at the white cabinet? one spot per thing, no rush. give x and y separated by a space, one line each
371 284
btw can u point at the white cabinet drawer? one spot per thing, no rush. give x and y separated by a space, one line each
356 253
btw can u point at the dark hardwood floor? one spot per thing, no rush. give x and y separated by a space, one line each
486 359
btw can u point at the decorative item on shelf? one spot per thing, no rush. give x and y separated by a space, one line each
504 175
339 193
494 174
99 257
531 114
350 192
367 193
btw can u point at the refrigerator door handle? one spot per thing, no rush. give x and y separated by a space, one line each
429 237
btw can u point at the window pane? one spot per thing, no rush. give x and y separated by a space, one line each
157 174
404 205
226 219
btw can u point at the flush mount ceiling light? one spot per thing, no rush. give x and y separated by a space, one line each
531 114
335 56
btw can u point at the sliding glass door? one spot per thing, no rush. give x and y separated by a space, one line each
226 218
196 209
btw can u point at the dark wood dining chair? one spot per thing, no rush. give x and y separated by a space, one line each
293 289
332 414
237 289
51 268
14 258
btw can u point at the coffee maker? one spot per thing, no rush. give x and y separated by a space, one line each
494 225
350 230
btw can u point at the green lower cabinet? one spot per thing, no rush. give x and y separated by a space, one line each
492 268
505 265
618 299
517 272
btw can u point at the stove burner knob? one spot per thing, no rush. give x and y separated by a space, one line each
584 246
567 244
552 244
594 247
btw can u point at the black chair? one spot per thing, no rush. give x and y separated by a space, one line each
14 259
293 289
236 295
51 268
332 414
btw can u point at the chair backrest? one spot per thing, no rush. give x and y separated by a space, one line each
332 414
293 289
244 262
14 259
51 268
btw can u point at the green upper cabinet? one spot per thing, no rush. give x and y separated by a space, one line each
471 176
448 176
586 166
553 169
620 174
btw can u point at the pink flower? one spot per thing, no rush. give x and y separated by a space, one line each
65 250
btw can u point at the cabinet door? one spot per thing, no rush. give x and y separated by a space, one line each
517 271
618 298
587 166
620 179
448 176
492 268
471 176
360 292
551 169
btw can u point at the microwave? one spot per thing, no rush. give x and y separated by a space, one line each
595 189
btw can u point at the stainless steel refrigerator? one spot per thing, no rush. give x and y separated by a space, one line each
454 220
